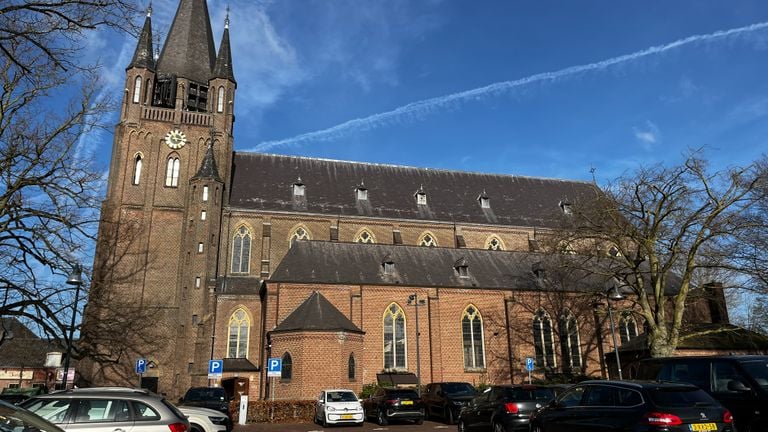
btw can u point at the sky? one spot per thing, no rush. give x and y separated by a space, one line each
541 88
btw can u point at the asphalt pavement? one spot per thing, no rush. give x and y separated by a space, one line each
367 426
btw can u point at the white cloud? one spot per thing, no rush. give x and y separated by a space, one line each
647 135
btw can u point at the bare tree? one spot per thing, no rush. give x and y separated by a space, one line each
660 229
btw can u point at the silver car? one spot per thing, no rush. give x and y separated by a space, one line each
108 409
13 418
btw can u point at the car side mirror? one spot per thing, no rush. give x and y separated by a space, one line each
319 401
181 400
737 386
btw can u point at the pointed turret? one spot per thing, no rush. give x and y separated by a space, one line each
189 51
208 168
223 67
142 57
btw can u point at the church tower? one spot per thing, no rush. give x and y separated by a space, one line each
168 182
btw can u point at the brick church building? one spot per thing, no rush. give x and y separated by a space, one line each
349 272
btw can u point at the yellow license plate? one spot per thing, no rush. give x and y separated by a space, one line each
347 416
406 403
704 427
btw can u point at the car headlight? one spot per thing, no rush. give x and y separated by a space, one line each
457 403
218 420
330 408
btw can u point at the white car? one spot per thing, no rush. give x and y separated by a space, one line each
338 406
205 419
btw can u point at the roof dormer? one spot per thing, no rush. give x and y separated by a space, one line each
299 188
566 207
421 196
461 267
361 192
484 200
388 265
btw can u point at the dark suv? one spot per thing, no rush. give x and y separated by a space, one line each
740 383
632 406
445 399
504 408
387 404
215 398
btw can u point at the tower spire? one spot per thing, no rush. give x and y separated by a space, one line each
142 57
188 51
223 67
208 167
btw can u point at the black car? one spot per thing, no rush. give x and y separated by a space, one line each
445 399
387 404
740 383
638 406
504 408
215 398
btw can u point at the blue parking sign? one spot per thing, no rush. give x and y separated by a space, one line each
529 363
141 366
215 367
274 367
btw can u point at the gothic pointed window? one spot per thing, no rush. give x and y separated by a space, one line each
205 193
427 239
365 237
494 243
472 338
351 367
394 338
569 342
241 251
627 328
542 340
239 328
286 370
220 100
137 89
172 171
301 233
137 164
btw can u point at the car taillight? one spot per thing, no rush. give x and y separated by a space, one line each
177 427
662 419
727 417
391 401
511 408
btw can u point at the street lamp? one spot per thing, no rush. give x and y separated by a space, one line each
414 301
76 280
613 294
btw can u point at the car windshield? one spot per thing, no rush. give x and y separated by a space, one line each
459 389
204 394
538 394
14 419
337 396
758 370
680 397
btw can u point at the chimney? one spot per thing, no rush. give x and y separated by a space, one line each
715 298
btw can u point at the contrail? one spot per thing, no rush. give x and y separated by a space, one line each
426 106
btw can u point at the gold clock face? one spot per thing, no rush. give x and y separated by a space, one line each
175 139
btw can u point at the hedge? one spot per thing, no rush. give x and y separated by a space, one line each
280 411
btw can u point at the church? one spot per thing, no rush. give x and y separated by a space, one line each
350 273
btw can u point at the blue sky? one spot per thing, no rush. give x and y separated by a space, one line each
314 67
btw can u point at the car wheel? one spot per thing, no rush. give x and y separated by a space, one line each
196 428
381 418
420 421
498 427
463 426
449 416
536 428
325 422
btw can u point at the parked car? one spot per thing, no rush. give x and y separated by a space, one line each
106 409
205 419
740 383
387 404
20 394
504 408
215 398
606 406
338 406
445 399
14 418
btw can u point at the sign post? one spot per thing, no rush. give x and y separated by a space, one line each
141 369
529 365
215 369
274 369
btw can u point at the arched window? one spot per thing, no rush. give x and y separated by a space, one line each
220 100
394 337
427 239
494 243
472 337
364 237
172 171
569 341
147 91
627 327
241 251
137 163
286 371
137 89
239 327
351 366
542 340
301 233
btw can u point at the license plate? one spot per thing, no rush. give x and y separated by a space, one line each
406 402
703 427
347 416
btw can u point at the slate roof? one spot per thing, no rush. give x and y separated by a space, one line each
239 285
24 348
239 365
223 66
143 56
355 263
712 336
316 314
188 51
264 182
208 167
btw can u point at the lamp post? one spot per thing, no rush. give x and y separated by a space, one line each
613 294
76 280
413 300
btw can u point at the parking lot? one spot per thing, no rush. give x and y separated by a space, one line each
367 426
